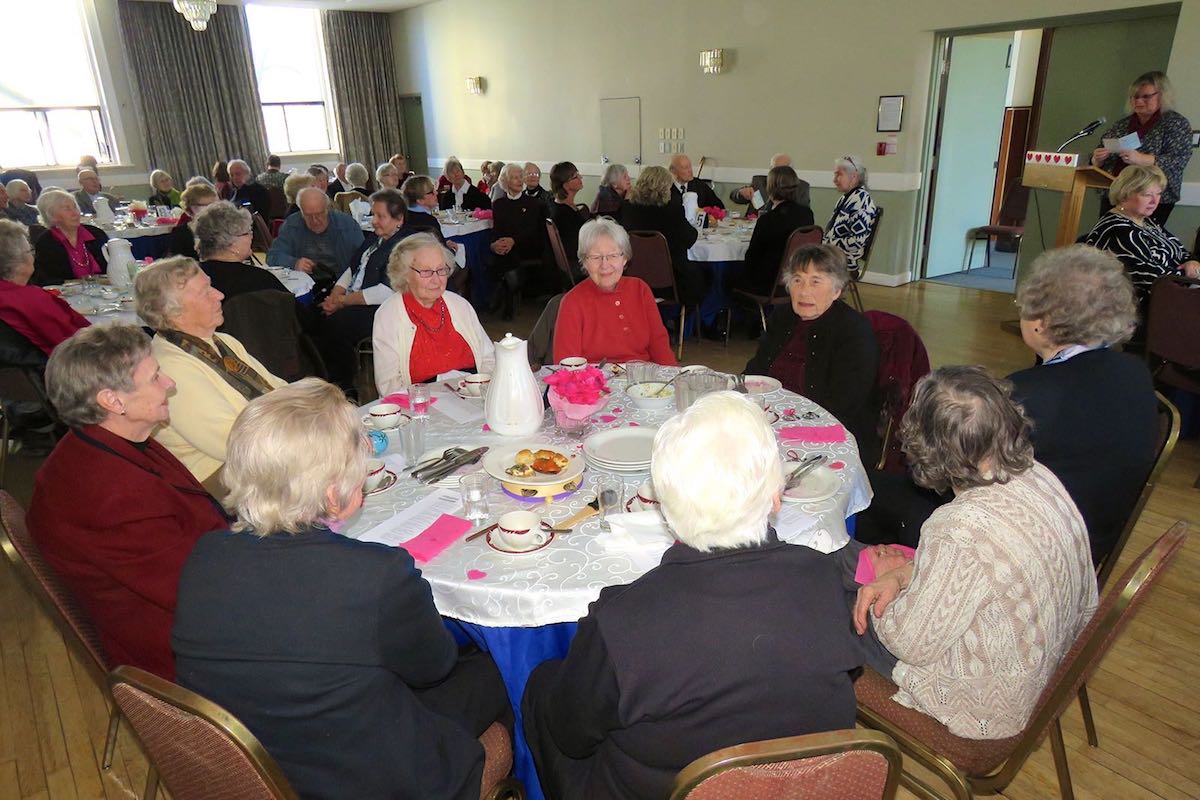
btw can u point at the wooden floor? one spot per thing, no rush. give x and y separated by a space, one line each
1145 698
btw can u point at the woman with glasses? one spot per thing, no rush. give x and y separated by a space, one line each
223 237
1165 136
565 182
853 217
609 315
423 330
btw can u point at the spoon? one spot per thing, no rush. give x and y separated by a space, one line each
663 390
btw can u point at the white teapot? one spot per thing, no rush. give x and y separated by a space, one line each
104 212
119 254
514 405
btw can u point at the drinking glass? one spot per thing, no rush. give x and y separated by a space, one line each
473 489
639 372
418 397
610 493
685 391
412 440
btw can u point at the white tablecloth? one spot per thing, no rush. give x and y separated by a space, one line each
468 225
728 242
475 583
138 232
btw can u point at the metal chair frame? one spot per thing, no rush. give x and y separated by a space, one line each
633 271
856 272
561 258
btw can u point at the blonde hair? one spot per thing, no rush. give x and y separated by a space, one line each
156 290
293 183
156 176
403 254
652 188
276 484
1133 180
1161 84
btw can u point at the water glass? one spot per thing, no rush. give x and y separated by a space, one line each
473 489
640 372
412 440
610 494
418 397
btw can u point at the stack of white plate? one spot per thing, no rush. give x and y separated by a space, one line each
624 451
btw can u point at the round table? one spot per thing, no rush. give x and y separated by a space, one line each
147 241
724 249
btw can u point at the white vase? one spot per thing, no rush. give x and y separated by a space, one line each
514 400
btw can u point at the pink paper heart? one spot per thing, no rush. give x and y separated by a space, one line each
634 425
476 574
837 465
617 410
608 418
486 427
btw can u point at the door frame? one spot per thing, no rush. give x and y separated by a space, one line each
935 115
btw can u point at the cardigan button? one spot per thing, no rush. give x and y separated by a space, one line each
617 303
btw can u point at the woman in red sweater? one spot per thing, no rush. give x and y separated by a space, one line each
608 315
41 317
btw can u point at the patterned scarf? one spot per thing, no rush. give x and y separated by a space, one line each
237 373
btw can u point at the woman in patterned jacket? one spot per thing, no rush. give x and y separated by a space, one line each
854 215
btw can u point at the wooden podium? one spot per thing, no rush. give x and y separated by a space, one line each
1061 172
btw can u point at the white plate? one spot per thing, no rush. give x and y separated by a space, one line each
499 459
621 447
821 483
620 470
762 384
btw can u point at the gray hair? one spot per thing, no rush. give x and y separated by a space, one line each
853 164
317 170
824 258
294 183
156 176
87 171
509 169
603 228
50 201
15 184
451 164
15 249
403 254
963 430
198 180
218 226
238 162
156 290
93 359
1081 295
357 174
276 487
613 174
384 169
714 495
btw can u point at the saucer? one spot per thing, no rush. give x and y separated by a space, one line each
634 505
366 421
500 548
389 480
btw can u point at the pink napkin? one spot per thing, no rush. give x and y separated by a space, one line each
482 213
430 542
818 434
865 573
401 399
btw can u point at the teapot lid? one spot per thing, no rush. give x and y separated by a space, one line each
509 341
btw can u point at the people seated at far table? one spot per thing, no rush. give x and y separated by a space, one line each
274 177
684 180
1002 583
745 195
329 650
609 315
214 375
423 331
566 183
19 203
41 317
853 217
769 241
735 637
113 512
245 191
319 240
400 162
195 198
518 236
220 180
357 179
822 348
420 194
223 235
90 190
459 192
69 249
614 188
165 193
649 208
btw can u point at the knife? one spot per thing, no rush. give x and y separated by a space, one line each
445 458
794 479
469 457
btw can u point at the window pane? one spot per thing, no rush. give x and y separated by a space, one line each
289 60
21 143
277 134
307 127
72 135
36 76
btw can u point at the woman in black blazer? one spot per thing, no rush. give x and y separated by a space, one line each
649 208
69 249
769 241
329 650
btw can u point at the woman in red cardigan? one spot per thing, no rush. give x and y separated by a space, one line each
113 512
41 317
609 315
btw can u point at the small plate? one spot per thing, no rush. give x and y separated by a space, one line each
388 482
821 483
762 384
499 548
460 389
366 421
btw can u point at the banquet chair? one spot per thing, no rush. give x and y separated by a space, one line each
838 765
364 378
652 263
982 766
1173 333
4 432
858 271
62 607
265 322
903 360
808 234
342 200
195 748
279 205
561 259
541 338
262 234
1012 211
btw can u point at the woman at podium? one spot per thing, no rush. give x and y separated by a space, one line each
1165 138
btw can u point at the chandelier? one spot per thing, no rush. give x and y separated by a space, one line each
196 12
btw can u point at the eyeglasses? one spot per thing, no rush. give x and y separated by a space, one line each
247 233
593 259
429 273
850 160
431 191
1144 97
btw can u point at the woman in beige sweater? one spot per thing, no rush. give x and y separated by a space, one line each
1002 582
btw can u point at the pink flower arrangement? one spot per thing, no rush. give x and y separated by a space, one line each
716 212
580 387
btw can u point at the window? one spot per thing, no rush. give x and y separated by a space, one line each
51 109
289 63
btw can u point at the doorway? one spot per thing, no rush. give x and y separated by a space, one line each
412 120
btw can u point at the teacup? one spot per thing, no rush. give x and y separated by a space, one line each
646 496
473 385
521 530
573 363
385 415
376 472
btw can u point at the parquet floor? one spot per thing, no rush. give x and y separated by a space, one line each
1145 698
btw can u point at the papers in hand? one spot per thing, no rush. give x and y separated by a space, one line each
1130 141
757 200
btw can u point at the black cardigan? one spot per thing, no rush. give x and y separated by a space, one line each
471 200
52 265
768 244
841 372
667 220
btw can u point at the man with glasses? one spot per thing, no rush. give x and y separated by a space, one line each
319 240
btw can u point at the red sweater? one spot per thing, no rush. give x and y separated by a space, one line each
623 325
42 318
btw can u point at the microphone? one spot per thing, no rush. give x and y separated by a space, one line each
1091 126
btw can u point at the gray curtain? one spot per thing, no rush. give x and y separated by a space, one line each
362 75
197 91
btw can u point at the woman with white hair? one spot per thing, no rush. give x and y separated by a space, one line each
20 208
609 315
853 217
422 330
214 375
614 187
43 318
329 650
387 176
735 637
518 236
458 191
292 186
69 249
358 176
165 193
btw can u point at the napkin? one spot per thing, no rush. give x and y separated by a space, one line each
482 213
401 399
865 573
818 434
641 531
429 543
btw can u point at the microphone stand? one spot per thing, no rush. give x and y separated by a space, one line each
1079 135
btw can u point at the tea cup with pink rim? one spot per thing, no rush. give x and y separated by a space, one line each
376 472
474 385
520 531
384 416
573 363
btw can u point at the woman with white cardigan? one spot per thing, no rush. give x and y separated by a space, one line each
423 330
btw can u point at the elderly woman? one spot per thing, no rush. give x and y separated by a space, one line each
114 513
214 375
223 234
486 180
630 705
220 180
195 198
400 162
358 177
822 348
1165 136
533 184
764 256
423 330
292 186
459 192
257 627
609 315
649 208
1130 232
165 193
496 189
43 318
19 207
614 188
566 182
518 236
853 217
69 249
387 176
1002 582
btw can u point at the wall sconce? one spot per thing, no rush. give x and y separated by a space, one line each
475 85
712 62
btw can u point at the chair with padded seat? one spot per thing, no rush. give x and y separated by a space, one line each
342 200
1173 332
857 272
973 766
561 259
903 360
278 206
838 765
1010 224
807 234
651 262
498 783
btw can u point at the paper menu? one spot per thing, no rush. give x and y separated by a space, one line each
757 200
1130 141
413 520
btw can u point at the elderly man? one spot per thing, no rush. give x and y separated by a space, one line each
684 180
7 176
19 203
318 240
245 192
273 178
320 174
339 183
461 193
533 184
90 190
745 194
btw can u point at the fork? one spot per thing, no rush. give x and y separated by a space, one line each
739 384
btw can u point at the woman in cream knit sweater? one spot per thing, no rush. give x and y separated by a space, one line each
1002 582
